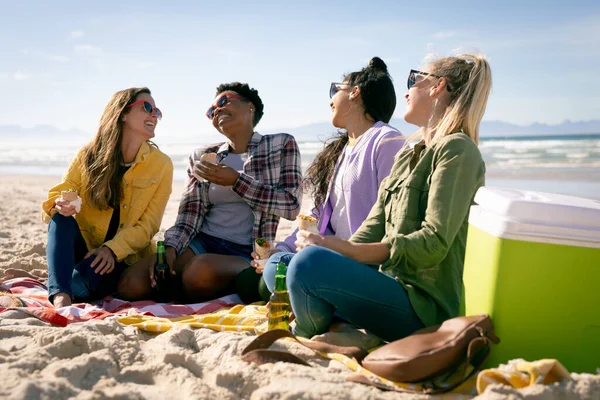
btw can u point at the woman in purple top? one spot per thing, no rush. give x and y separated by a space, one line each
344 178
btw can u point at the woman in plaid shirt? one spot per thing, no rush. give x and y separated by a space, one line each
227 204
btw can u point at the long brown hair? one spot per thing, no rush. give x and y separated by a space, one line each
378 103
103 156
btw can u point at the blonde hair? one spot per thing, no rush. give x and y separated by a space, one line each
469 78
102 157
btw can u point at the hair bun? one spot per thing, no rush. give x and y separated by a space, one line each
377 63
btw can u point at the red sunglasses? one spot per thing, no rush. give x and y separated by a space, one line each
147 107
221 102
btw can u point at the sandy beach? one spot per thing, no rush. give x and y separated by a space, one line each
103 359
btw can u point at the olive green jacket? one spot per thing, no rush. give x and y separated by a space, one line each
421 215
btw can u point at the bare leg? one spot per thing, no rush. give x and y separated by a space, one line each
134 283
208 275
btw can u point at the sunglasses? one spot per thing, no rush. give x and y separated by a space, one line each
336 87
412 78
147 107
221 102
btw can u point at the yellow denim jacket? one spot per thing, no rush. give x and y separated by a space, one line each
147 186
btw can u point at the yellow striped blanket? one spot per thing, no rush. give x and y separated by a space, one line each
252 318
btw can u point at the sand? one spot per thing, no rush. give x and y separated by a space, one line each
103 359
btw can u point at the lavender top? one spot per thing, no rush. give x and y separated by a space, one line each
369 162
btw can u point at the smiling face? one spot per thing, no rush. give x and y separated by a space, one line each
234 114
138 121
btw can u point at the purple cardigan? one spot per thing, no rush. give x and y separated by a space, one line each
371 160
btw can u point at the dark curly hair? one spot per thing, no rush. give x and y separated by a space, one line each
248 94
379 102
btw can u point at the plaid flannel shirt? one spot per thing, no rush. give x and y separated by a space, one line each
270 183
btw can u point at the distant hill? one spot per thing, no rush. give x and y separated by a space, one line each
316 131
321 130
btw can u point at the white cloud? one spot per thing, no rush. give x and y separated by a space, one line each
445 34
579 37
76 34
21 76
88 49
46 56
145 65
584 32
57 58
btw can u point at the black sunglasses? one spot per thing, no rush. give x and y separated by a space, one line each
221 102
412 78
335 87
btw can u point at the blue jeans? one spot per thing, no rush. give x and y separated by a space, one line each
322 283
203 243
68 271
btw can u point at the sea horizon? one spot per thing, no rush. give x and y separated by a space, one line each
565 164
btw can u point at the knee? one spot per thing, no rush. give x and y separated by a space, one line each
62 223
131 287
306 266
200 278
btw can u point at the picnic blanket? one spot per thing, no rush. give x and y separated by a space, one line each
34 295
226 314
240 318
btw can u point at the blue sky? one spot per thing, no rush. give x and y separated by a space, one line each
63 60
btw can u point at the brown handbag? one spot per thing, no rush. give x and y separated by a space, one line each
432 351
423 357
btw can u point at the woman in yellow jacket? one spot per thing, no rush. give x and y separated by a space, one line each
124 182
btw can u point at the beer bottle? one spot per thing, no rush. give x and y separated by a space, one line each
161 273
279 311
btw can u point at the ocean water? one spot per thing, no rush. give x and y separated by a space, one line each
568 164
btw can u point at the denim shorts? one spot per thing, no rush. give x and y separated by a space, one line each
204 243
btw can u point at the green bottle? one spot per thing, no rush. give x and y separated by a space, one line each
279 312
161 272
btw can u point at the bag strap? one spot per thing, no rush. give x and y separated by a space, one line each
257 351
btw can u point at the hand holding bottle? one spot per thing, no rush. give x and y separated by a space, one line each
168 256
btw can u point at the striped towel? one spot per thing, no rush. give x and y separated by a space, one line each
521 373
240 318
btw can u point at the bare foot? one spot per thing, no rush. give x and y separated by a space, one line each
342 333
61 300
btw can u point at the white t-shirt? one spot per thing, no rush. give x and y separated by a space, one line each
340 223
230 217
